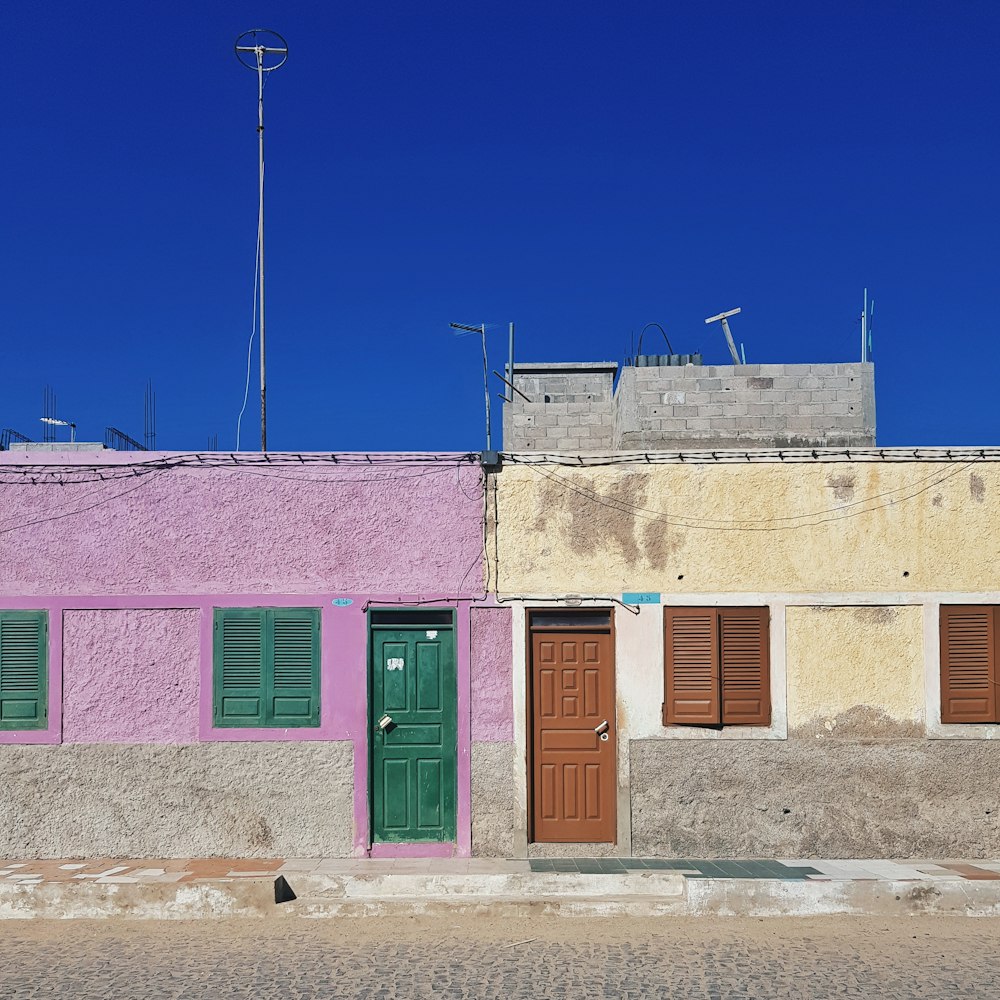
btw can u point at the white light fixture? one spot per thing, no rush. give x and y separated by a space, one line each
62 423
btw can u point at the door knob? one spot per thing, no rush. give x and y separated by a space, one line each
602 728
384 723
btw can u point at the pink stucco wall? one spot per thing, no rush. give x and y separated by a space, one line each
492 675
196 528
130 676
130 567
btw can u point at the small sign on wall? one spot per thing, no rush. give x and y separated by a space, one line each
641 597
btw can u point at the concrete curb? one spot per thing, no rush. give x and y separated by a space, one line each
644 894
140 901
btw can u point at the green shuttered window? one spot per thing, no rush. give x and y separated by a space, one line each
23 659
266 667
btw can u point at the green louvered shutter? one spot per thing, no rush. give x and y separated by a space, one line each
239 666
293 681
23 656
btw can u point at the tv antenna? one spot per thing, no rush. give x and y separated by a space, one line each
461 329
264 51
867 316
724 319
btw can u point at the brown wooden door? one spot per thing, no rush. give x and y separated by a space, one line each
573 770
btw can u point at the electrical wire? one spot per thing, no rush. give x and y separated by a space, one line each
29 474
253 333
70 513
752 520
614 505
72 501
346 480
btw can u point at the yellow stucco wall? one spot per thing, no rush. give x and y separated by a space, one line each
773 527
859 666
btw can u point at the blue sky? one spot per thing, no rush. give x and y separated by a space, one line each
579 169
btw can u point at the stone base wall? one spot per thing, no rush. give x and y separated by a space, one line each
253 800
492 800
832 799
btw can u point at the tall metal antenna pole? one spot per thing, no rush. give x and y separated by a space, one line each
260 243
864 327
510 360
463 328
486 384
269 51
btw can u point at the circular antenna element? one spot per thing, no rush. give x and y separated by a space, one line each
261 50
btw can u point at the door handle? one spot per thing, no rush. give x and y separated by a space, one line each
602 728
384 723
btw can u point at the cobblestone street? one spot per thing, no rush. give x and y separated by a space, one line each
543 958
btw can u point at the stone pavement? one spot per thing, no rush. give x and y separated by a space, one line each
337 887
530 959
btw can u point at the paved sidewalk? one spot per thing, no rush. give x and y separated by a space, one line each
110 871
317 887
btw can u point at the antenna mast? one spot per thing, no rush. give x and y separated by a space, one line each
724 319
262 50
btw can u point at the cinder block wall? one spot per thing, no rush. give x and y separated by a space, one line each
725 406
574 408
571 408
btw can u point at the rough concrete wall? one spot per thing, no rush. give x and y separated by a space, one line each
212 800
569 409
855 672
732 406
130 676
204 530
492 800
827 799
492 666
832 527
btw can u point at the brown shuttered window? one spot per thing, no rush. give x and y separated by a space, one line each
969 675
716 667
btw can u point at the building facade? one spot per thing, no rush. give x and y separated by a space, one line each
195 652
774 647
781 654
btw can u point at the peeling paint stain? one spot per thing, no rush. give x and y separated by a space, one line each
977 488
876 616
859 723
842 486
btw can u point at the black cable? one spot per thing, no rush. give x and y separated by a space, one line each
614 505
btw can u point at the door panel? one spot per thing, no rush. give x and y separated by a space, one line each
414 758
573 771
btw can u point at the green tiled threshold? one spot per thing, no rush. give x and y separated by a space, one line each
690 868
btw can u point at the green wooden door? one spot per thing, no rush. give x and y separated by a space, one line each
414 755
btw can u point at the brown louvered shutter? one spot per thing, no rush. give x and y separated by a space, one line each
691 667
968 663
746 681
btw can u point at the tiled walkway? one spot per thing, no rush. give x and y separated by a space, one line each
109 871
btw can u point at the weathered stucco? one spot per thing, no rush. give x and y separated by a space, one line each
130 676
855 671
284 528
223 799
492 801
827 799
492 698
767 526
